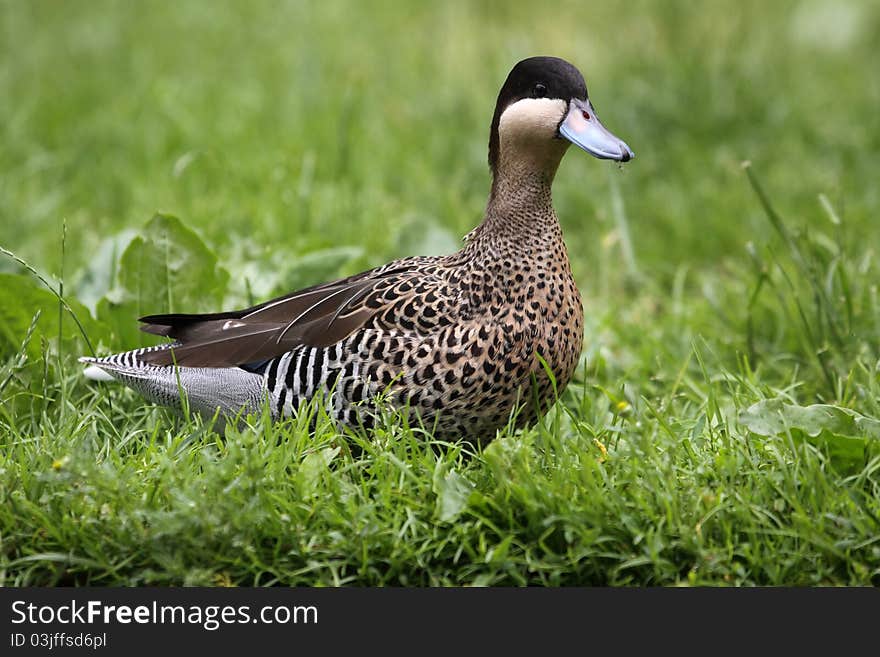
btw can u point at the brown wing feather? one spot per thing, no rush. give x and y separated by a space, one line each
319 316
172 324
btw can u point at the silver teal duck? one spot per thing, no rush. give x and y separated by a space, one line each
462 342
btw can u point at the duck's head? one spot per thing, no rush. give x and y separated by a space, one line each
542 107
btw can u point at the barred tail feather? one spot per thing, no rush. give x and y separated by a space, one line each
229 389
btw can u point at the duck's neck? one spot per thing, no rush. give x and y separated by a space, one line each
520 212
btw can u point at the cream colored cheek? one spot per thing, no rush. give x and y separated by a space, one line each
531 118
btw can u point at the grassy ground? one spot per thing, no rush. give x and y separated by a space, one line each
724 427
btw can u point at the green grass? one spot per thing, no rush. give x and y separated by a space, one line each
724 425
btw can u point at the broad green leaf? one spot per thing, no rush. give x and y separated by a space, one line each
21 297
774 416
845 434
319 266
453 491
99 275
166 268
312 467
261 272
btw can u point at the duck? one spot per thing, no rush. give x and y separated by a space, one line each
464 344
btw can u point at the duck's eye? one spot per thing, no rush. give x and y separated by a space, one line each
539 91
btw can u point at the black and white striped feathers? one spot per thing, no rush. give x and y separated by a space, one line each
208 389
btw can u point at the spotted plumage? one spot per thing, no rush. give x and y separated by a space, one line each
462 340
